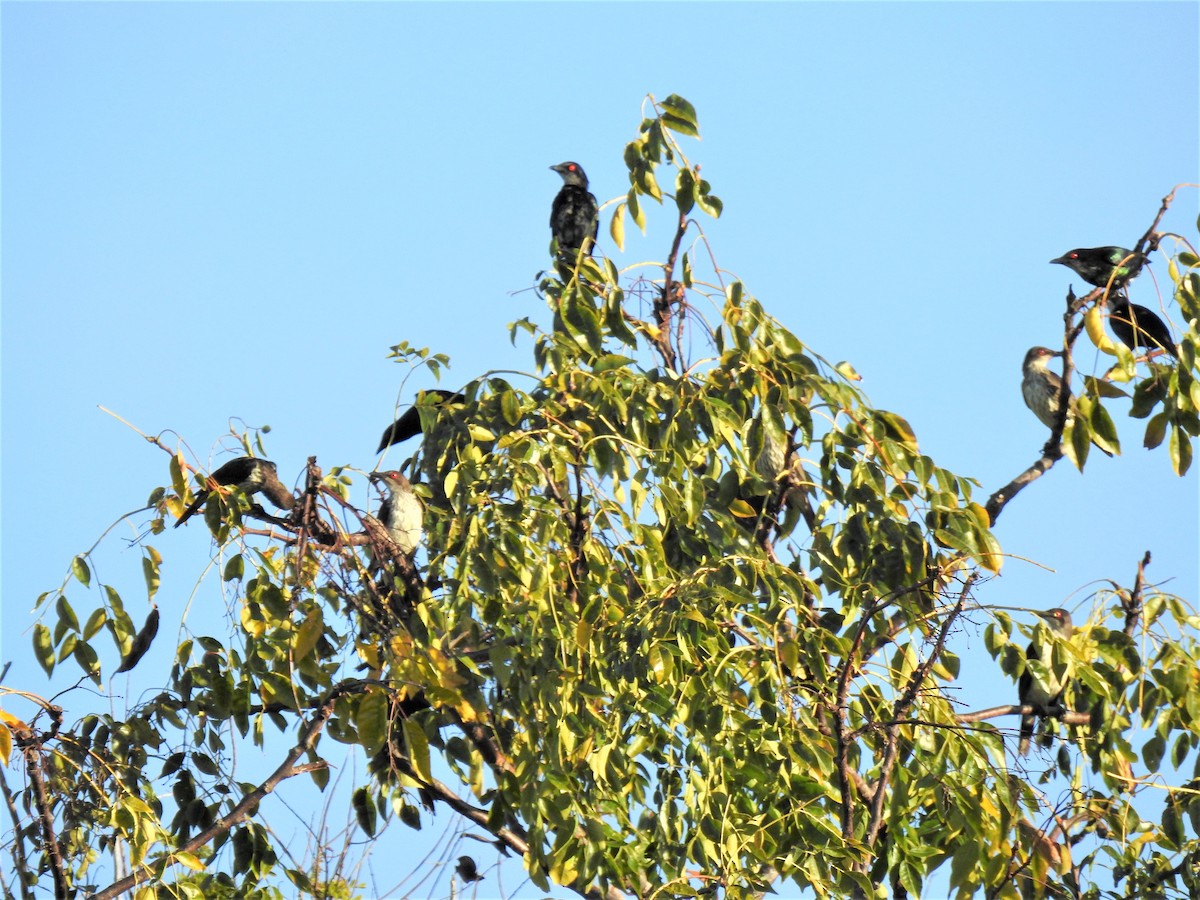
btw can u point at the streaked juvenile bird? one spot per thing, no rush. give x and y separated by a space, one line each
1135 326
409 423
1048 691
1040 386
1096 265
574 216
251 476
401 512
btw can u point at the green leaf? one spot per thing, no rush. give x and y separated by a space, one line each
1180 449
151 561
1104 430
1156 430
43 647
94 623
708 202
308 633
682 111
371 720
685 185
418 749
80 569
66 615
364 811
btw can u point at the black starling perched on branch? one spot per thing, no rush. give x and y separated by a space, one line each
1135 326
251 476
574 217
1041 693
409 423
141 642
1096 265
401 513
1041 387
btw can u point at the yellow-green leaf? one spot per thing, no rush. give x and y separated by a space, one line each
616 227
308 633
190 860
81 571
418 749
371 720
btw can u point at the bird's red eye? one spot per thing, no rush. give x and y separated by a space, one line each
570 168
1074 256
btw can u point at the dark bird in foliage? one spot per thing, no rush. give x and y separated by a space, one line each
1096 265
141 642
467 869
409 424
1036 692
401 513
251 476
574 217
1135 326
1040 386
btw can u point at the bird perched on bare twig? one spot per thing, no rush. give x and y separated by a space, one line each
574 215
1042 691
249 475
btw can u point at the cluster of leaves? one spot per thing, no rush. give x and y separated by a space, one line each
680 623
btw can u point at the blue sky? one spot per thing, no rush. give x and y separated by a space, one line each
216 210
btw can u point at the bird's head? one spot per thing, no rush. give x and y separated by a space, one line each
572 173
1059 621
390 479
1072 259
1037 358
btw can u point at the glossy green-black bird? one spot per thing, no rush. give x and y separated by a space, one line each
1096 265
574 215
251 476
1042 692
409 423
1135 326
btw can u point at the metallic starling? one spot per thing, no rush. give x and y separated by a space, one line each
574 217
1040 387
1135 326
401 513
248 474
1042 693
409 423
1096 265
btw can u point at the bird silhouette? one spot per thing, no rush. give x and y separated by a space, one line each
251 476
409 423
1135 326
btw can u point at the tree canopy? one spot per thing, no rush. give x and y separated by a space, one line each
684 622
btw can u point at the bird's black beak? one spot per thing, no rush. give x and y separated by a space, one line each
1061 260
